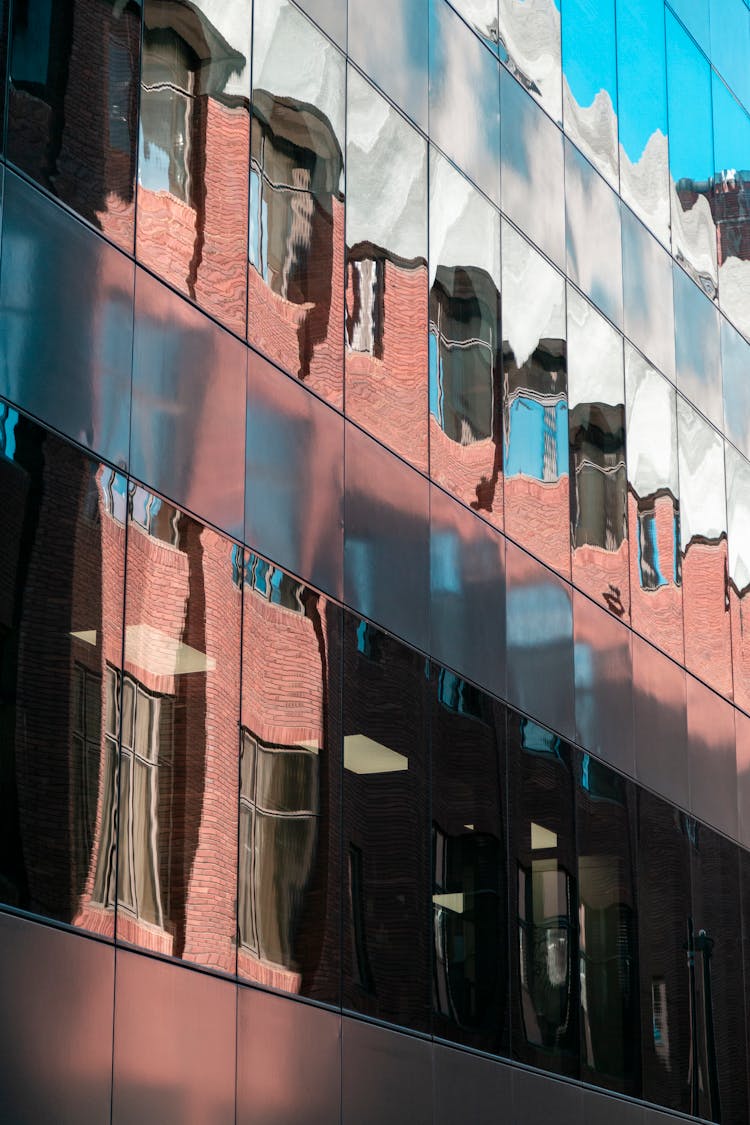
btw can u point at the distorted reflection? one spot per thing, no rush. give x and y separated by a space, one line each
653 505
731 204
529 43
465 367
545 978
74 136
535 403
697 347
288 893
603 684
648 313
738 525
296 236
176 877
598 489
386 273
386 879
703 543
592 229
469 899
642 109
590 82
389 41
61 565
531 174
482 16
464 99
193 150
608 927
691 157
735 365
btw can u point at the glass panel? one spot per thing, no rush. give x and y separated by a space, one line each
61 576
465 357
178 840
653 505
590 82
529 39
289 871
703 543
330 15
386 970
387 282
608 928
296 238
74 135
482 16
464 99
531 153
598 492
535 403
603 684
642 107
592 228
4 8
647 293
469 865
664 900
730 44
735 363
389 41
697 347
695 15
545 973
691 157
738 523
193 151
660 722
731 208
712 760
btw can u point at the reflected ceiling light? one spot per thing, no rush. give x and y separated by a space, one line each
363 755
542 838
161 655
470 827
454 902
88 636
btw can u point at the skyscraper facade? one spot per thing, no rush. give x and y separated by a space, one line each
375 561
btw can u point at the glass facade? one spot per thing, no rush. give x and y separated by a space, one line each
374 547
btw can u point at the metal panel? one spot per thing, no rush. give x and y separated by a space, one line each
470 1088
538 1100
386 1076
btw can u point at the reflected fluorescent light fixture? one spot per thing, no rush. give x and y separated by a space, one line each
542 838
88 636
363 755
454 902
161 655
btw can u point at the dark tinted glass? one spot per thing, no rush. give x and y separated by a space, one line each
4 8
386 273
193 151
545 981
465 357
72 113
61 565
386 862
660 722
177 859
608 927
296 238
535 403
712 762
469 864
603 684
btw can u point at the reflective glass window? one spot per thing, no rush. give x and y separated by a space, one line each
697 347
544 908
703 544
531 152
653 505
529 42
73 135
386 858
738 524
712 760
4 8
389 41
598 487
482 16
603 684
290 785
691 157
535 403
296 227
386 273
330 15
464 98
465 341
660 722
589 67
735 365
731 204
193 151
730 44
592 232
469 864
177 807
62 535
695 16
647 294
